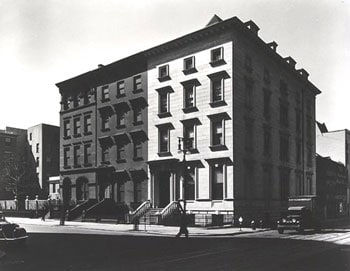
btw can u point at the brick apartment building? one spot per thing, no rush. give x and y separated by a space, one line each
43 140
247 113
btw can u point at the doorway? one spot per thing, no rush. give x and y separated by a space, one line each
164 188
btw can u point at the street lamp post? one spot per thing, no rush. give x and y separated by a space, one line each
184 148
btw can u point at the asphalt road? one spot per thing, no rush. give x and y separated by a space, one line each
89 250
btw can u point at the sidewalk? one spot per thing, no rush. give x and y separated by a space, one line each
128 229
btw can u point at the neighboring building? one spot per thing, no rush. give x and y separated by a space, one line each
247 114
104 134
14 147
44 142
332 183
54 187
335 144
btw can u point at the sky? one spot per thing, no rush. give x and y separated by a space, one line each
43 42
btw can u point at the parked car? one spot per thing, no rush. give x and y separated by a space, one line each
298 218
11 232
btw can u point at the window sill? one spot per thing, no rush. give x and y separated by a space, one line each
137 159
193 151
77 135
120 161
218 103
121 126
66 137
164 115
189 71
190 109
120 95
137 90
218 148
105 163
105 100
163 154
77 166
136 123
164 78
105 129
217 62
87 133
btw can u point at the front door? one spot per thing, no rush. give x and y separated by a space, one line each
164 188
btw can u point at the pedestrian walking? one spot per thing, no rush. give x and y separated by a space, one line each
45 211
183 226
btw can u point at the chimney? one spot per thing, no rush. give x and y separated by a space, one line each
100 66
252 27
273 45
290 61
303 73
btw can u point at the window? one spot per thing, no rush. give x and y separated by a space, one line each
266 76
30 136
267 141
190 183
105 93
267 102
120 120
137 149
248 94
104 154
37 147
105 122
66 127
164 144
76 156
284 148
163 72
189 136
120 192
65 103
8 141
66 156
76 101
217 56
217 89
284 184
248 63
217 132
217 180
87 154
309 156
137 115
137 83
298 151
120 153
284 121
87 98
189 65
249 135
163 102
87 124
189 96
37 161
120 89
77 127
283 88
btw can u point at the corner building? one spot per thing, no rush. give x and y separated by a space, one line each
249 115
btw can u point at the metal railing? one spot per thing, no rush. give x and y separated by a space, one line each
169 210
140 211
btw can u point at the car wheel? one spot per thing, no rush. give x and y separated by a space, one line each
280 231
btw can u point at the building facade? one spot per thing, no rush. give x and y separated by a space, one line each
44 143
335 144
246 114
103 145
332 183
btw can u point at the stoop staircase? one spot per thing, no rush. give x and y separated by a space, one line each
151 217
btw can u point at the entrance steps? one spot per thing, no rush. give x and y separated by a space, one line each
151 217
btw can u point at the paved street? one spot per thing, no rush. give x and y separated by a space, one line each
51 247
